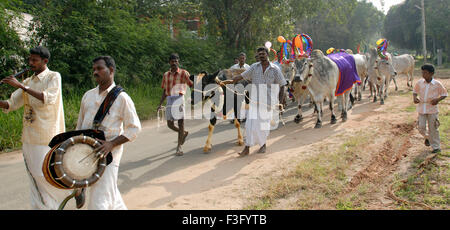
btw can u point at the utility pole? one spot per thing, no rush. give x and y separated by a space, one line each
424 37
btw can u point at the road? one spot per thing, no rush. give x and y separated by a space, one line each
150 156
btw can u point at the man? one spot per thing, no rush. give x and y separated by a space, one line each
263 76
241 64
43 118
120 125
175 83
427 93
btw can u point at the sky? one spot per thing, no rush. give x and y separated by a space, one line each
387 4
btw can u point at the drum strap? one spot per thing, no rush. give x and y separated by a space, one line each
106 105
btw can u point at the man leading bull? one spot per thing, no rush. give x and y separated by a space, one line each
265 78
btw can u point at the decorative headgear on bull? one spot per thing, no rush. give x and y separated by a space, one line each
300 46
332 50
382 45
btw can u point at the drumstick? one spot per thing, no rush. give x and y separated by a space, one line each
86 156
98 158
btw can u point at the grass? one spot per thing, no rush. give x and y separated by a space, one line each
11 130
321 182
431 186
318 180
145 97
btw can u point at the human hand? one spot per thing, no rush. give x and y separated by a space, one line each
105 148
12 81
226 82
435 101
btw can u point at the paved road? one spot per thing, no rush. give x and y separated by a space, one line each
150 156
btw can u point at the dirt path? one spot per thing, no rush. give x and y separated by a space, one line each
230 182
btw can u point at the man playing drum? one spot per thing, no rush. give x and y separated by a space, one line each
120 125
43 118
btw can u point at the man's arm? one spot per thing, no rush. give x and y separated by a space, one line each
234 80
415 99
163 97
107 146
437 100
12 81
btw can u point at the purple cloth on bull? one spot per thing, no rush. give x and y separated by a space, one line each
347 72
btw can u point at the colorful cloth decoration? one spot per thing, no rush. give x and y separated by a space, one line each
335 51
348 74
382 45
302 44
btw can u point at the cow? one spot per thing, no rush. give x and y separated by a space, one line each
362 69
320 75
206 88
380 73
296 88
385 72
299 91
404 64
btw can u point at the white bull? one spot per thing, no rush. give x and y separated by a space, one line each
404 64
385 73
320 75
362 70
297 88
380 73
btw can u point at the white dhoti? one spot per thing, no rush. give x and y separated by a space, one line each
44 196
258 125
105 194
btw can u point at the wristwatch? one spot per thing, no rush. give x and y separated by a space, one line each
25 88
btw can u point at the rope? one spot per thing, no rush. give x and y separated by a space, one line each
64 202
404 181
240 94
160 112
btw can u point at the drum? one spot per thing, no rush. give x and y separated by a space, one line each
73 163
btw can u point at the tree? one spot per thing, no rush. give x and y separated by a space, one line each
12 50
403 25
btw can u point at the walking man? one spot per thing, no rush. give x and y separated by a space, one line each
267 90
174 83
120 125
43 118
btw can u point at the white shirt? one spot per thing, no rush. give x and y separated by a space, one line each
41 120
427 92
237 66
263 81
121 119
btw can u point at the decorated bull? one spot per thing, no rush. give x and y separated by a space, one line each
327 78
222 100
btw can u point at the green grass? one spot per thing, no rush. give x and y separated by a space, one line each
145 97
431 186
411 108
444 129
11 130
318 180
